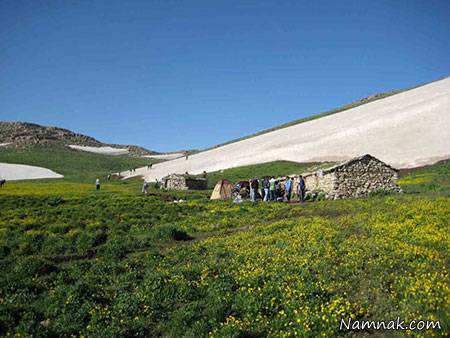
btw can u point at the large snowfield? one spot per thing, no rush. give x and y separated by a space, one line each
405 130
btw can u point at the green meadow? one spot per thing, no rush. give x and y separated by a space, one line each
80 262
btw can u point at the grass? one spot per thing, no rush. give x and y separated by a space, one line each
80 262
432 179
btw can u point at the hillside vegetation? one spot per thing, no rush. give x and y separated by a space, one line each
80 262
433 179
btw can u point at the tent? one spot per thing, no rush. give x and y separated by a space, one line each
222 190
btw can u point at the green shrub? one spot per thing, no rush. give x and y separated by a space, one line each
166 232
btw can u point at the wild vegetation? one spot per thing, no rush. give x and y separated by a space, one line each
433 179
113 262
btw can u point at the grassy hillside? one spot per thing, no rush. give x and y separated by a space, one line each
115 263
433 179
276 168
76 166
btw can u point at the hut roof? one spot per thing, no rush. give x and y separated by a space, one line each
347 163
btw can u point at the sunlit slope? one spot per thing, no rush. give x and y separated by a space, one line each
405 130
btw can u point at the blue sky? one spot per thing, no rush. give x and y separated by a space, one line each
172 75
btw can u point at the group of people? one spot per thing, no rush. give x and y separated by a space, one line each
270 189
266 189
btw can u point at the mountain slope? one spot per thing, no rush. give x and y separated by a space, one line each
405 130
22 134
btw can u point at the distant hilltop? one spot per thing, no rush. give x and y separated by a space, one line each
22 134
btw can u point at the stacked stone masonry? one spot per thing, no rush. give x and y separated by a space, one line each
355 178
183 182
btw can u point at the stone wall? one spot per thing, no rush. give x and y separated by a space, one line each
360 178
320 181
183 182
355 178
174 182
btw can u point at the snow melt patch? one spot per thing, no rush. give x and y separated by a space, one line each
101 150
12 172
170 156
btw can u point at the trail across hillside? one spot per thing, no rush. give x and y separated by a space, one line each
405 130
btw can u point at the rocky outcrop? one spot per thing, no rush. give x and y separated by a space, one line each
21 134
354 178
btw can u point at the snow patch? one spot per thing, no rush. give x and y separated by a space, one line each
12 172
170 156
101 150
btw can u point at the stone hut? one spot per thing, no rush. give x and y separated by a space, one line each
354 178
183 182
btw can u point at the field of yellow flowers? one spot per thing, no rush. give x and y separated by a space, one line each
78 263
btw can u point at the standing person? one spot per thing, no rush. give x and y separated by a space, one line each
187 155
254 185
279 193
97 184
272 182
261 184
288 186
266 188
145 188
301 189
204 174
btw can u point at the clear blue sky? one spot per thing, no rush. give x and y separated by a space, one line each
174 75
